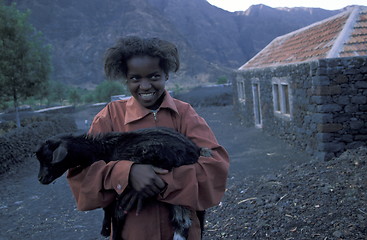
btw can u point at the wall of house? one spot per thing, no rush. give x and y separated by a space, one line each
295 129
328 104
340 97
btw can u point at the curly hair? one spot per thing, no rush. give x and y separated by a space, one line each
116 57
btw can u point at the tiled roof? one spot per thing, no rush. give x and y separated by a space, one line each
342 35
356 45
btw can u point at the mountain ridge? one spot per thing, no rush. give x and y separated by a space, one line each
212 42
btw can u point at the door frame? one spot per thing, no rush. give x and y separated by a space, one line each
257 103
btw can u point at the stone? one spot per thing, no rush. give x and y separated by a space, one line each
321 71
363 108
347 138
354 145
328 108
326 90
322 117
332 147
351 108
351 71
329 127
337 234
361 137
356 124
341 118
344 100
341 79
324 137
363 69
359 99
321 99
321 80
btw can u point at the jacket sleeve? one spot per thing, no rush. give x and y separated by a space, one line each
200 185
96 186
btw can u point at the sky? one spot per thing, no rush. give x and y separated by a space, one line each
242 5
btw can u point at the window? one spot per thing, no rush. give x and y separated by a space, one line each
285 99
276 97
257 104
281 98
241 91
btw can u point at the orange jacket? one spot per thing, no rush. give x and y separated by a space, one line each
197 186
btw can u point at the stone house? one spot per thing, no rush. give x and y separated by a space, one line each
309 87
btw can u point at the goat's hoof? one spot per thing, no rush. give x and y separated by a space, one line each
105 232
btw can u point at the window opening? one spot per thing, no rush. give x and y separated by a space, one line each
241 91
276 97
285 99
257 108
281 97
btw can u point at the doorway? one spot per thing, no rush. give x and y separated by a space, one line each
257 105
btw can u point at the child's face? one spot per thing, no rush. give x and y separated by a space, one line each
145 80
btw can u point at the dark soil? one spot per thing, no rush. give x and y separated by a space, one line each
314 200
18 144
273 192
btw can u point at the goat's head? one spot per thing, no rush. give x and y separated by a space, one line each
52 156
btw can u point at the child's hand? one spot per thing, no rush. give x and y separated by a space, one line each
145 180
158 170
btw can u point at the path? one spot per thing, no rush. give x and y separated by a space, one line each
29 210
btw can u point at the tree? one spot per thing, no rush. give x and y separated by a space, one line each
106 89
74 96
222 80
57 92
24 61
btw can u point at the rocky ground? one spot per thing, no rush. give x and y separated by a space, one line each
314 200
273 192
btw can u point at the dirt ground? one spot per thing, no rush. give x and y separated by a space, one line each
273 192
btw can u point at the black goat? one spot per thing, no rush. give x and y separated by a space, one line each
161 147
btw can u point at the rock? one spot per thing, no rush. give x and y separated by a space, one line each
337 234
318 199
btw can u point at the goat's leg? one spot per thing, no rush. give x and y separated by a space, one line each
181 221
201 217
108 214
124 203
116 228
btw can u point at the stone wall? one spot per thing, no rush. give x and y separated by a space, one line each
20 144
339 96
328 101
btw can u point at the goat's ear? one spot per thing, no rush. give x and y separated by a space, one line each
59 154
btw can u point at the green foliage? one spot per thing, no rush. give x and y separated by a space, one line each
74 97
222 80
24 61
4 103
177 89
6 126
106 89
42 94
57 92
88 97
77 95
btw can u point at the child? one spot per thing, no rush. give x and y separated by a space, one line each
145 64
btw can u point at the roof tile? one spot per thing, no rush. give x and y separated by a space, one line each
317 41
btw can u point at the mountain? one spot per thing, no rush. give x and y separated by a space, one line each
212 42
261 24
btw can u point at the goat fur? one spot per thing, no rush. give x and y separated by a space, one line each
161 147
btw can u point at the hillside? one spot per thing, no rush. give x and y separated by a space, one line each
211 41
